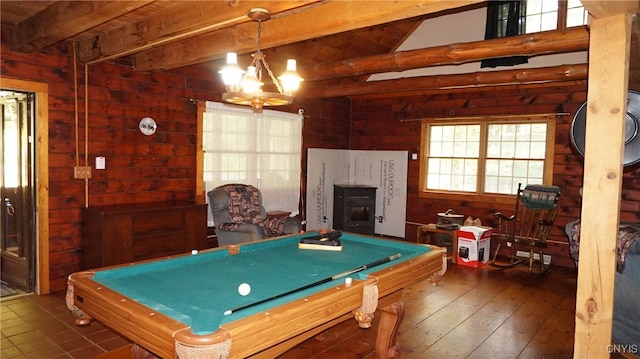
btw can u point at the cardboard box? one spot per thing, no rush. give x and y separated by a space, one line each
474 245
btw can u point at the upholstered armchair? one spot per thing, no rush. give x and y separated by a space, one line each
239 215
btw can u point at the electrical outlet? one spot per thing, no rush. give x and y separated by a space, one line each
82 172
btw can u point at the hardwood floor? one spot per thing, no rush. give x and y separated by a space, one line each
472 313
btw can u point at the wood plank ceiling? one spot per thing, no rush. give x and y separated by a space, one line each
336 43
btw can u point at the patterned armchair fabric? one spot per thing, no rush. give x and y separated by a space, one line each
239 215
245 207
626 317
628 234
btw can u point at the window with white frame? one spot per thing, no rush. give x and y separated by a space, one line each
544 15
260 149
577 15
486 157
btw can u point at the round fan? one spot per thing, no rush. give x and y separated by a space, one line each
632 129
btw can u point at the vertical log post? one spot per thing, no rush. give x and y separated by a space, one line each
604 148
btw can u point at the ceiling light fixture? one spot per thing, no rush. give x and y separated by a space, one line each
245 87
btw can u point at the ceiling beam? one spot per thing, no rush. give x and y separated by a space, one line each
185 19
550 42
322 19
44 29
477 79
602 8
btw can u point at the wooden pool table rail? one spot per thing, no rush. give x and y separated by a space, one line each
264 334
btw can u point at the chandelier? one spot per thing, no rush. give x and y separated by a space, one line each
245 87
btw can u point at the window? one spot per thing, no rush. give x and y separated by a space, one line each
544 15
453 154
486 157
510 18
504 19
263 150
515 154
576 14
516 17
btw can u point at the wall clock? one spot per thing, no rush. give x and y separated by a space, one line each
148 126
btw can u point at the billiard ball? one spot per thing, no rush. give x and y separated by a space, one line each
244 289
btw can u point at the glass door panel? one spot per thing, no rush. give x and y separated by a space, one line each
17 216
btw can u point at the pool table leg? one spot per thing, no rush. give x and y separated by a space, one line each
364 315
436 277
81 317
390 318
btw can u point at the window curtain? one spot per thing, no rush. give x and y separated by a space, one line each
505 18
260 149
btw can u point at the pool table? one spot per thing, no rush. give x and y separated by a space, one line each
189 305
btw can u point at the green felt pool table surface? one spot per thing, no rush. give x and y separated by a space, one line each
197 289
183 287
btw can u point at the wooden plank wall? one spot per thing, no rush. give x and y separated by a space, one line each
392 123
139 168
162 167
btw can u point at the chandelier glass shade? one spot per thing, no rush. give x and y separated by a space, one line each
244 87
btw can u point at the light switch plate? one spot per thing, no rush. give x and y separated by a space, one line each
80 172
100 163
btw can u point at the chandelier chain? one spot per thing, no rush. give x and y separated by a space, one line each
261 59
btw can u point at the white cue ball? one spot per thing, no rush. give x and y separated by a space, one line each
244 289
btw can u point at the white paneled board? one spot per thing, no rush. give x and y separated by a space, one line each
385 170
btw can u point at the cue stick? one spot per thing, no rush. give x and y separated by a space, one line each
322 281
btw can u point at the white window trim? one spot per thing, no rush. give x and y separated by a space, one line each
275 197
549 157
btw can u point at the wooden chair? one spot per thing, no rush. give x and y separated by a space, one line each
528 228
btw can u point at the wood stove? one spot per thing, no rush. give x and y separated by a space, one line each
354 208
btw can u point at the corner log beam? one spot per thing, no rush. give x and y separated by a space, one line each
550 42
477 79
